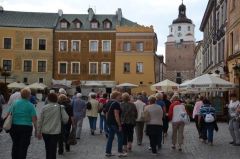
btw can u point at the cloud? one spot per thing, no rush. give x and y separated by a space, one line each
159 13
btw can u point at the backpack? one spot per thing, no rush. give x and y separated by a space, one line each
89 106
184 117
209 118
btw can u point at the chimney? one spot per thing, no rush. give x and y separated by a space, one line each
1 9
90 14
60 12
119 14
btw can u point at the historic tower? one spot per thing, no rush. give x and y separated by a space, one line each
180 48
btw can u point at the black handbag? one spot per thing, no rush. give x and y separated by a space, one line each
89 106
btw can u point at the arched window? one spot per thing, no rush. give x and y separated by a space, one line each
171 29
189 28
179 28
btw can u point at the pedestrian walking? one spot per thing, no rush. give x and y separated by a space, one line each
24 117
92 113
79 113
176 110
64 101
207 121
102 104
16 95
166 121
195 115
113 116
233 108
140 105
153 115
51 118
128 118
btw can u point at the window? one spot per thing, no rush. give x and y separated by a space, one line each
126 67
94 25
179 28
78 25
75 67
93 45
189 28
42 66
25 80
40 80
93 68
75 45
139 46
106 25
28 44
7 65
63 25
217 21
27 66
231 43
105 68
106 46
139 67
42 44
7 43
127 46
178 78
178 74
171 29
62 67
63 45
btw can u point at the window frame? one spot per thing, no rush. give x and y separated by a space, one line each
38 65
127 42
59 45
59 63
25 43
79 67
93 51
39 80
89 72
107 51
102 72
11 67
23 65
79 45
63 26
39 44
10 44
124 67
139 50
94 25
139 72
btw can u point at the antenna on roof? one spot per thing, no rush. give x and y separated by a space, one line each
1 9
60 12
182 1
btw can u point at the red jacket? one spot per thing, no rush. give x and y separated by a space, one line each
170 112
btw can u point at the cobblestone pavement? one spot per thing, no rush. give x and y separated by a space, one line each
93 147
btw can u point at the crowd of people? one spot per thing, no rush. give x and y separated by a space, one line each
60 120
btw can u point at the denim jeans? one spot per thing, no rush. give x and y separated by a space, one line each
92 122
113 129
207 132
103 124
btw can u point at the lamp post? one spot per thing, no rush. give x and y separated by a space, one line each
5 73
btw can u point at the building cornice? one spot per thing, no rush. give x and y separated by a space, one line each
134 29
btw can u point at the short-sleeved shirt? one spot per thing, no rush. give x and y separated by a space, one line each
111 106
22 111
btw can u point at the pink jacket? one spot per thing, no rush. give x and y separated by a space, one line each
196 109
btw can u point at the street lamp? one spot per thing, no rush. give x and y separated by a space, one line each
5 73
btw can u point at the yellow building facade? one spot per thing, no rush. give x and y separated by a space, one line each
135 52
233 43
27 53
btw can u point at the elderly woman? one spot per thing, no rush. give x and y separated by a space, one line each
233 108
24 116
79 113
153 114
65 101
49 125
174 114
92 113
128 118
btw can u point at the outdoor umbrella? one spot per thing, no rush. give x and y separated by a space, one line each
126 85
166 86
16 85
208 82
39 86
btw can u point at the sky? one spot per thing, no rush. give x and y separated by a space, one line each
158 13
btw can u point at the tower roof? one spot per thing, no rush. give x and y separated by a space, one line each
182 18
